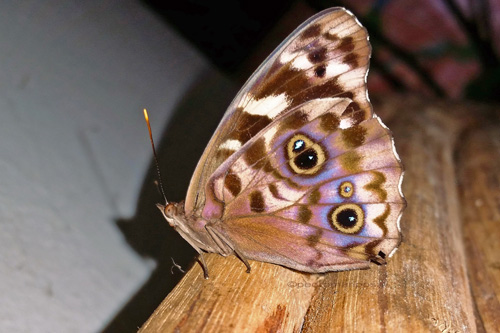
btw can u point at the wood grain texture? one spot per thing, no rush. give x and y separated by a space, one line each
479 177
424 287
270 298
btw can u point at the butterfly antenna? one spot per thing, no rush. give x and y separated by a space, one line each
155 156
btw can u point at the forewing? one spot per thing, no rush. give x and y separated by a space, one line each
327 56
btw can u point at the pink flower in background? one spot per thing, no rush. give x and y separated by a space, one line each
445 48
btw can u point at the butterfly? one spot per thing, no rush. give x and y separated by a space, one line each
300 172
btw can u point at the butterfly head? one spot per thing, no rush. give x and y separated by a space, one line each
170 211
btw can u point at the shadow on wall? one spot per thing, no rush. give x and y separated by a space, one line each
184 139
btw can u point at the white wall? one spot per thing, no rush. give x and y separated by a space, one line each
74 77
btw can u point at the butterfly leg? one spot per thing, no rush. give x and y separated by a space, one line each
245 261
203 265
224 243
201 259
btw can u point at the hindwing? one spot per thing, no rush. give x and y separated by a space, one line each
307 193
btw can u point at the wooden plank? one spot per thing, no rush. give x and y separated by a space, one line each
270 298
423 288
479 178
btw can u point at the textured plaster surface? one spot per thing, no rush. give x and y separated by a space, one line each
74 77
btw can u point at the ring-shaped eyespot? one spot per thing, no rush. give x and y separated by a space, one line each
305 156
347 218
346 189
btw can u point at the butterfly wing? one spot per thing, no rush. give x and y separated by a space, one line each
311 191
327 56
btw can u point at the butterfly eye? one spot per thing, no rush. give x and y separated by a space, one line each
169 210
346 190
304 155
348 218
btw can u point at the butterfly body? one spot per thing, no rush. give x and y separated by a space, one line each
300 172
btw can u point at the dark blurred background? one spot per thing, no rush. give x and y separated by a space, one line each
443 48
437 49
